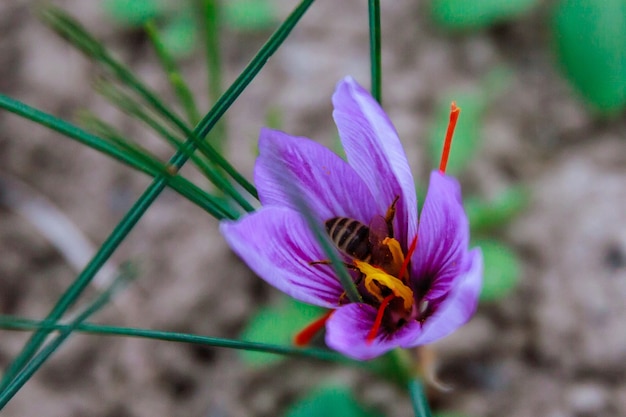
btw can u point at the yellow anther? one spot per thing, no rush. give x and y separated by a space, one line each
397 257
376 280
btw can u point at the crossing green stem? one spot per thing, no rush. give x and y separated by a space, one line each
139 208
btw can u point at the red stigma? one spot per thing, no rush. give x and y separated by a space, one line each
407 258
305 335
454 116
379 319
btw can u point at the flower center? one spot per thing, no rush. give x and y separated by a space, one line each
380 284
388 284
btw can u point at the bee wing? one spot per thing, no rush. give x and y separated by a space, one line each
378 231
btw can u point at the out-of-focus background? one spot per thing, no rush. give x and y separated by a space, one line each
548 340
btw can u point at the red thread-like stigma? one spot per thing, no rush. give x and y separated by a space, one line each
379 319
305 335
454 116
407 258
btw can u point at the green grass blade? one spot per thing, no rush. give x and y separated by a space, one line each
248 74
126 103
31 367
209 11
214 205
16 323
136 160
211 27
127 273
177 81
151 193
375 44
71 30
74 132
77 35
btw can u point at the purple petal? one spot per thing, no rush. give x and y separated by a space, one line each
331 187
278 245
348 328
458 306
374 151
441 254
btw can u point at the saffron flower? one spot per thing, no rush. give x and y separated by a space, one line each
418 280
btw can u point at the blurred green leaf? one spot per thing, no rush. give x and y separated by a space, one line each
486 215
329 401
502 270
274 117
464 14
133 12
249 15
277 324
467 133
179 35
590 43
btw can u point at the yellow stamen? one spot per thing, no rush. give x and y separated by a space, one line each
376 280
397 257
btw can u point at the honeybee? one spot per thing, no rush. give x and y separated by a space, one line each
364 242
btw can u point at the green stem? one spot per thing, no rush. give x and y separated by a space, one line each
211 26
123 101
209 22
139 208
418 399
375 44
126 274
16 323
75 33
177 81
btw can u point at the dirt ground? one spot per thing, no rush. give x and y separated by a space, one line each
556 347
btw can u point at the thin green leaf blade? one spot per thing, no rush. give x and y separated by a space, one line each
590 44
18 323
174 76
124 227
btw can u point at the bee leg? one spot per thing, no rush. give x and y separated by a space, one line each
342 298
389 216
357 281
344 295
328 262
320 263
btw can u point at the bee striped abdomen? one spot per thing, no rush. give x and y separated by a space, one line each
350 236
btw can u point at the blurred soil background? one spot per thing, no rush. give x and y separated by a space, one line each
554 347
